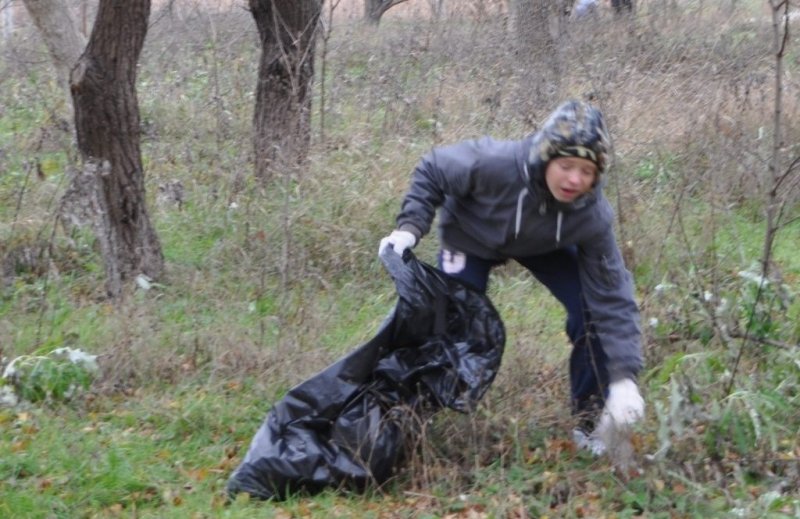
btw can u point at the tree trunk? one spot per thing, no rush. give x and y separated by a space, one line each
622 6
437 8
538 27
282 132
65 43
374 9
103 85
539 22
7 21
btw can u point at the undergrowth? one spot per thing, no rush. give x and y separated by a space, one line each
267 284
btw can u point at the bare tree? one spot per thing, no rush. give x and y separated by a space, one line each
539 23
538 27
784 179
6 20
374 9
621 6
437 8
103 85
327 30
287 29
64 41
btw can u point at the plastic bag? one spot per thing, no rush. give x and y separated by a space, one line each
348 425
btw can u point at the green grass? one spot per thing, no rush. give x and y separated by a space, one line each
166 454
141 457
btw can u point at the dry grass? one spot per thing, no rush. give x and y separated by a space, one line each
271 283
694 105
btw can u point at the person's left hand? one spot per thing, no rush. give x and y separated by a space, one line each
624 405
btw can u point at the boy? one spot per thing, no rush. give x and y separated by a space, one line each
539 202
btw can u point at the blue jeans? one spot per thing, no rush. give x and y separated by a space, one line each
558 271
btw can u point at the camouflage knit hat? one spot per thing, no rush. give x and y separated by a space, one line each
574 129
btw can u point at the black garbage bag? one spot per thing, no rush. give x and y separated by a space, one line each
348 425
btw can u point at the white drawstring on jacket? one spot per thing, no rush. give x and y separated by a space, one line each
518 225
559 219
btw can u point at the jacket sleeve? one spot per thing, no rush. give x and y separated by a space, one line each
444 171
608 290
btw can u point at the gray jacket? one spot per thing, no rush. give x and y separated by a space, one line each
495 205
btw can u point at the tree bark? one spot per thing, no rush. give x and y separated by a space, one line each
64 41
103 85
622 6
281 121
374 9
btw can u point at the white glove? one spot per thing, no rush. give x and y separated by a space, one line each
624 405
399 240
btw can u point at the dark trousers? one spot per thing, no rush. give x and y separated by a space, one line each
558 271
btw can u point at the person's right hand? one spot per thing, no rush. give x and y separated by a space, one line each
399 240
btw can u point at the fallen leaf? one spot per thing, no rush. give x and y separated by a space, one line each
196 474
20 445
219 500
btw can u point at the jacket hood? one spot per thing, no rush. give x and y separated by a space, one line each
574 125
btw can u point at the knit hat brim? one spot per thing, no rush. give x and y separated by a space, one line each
581 152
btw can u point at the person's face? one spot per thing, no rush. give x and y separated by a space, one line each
570 177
